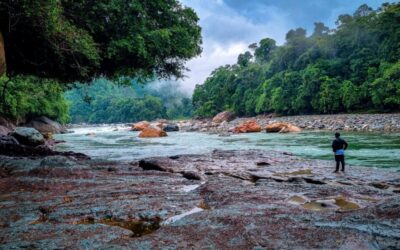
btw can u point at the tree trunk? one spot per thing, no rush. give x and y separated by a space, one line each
2 56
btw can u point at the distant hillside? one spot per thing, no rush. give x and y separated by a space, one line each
350 68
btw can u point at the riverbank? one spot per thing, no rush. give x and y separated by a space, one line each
339 122
224 199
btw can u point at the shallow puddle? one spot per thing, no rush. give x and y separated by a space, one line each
188 188
180 216
315 206
139 227
345 204
297 200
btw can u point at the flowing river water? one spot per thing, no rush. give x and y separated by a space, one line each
381 150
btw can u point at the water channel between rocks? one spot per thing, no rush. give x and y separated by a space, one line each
381 150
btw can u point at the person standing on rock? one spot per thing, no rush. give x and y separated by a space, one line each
339 146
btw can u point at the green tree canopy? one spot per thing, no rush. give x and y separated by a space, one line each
73 40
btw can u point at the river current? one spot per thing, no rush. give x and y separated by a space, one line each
381 150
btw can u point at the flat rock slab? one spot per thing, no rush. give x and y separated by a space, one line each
238 203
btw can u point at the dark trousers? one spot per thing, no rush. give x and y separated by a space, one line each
339 159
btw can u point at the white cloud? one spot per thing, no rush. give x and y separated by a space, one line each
226 34
213 56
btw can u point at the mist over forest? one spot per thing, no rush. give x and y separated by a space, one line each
103 101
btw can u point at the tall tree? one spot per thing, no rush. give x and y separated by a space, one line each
78 39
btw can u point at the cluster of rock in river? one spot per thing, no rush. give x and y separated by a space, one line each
35 138
218 124
341 122
221 200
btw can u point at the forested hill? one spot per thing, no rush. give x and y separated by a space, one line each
350 68
103 101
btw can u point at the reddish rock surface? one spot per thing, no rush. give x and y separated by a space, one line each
139 126
152 132
225 116
245 200
282 127
4 130
249 126
7 123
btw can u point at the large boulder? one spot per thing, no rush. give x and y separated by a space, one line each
249 126
170 127
139 126
225 116
152 132
28 136
281 127
45 125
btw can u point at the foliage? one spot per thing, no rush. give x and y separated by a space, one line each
355 67
48 42
106 102
29 96
73 40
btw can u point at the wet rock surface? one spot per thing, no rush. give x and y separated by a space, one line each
139 126
243 200
28 136
281 127
250 126
151 131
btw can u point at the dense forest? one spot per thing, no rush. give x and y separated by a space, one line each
354 67
47 45
103 101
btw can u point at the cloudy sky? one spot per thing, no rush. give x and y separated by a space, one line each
229 26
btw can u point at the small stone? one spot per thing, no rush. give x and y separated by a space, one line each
191 175
151 165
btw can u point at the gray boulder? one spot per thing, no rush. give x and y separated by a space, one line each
170 127
28 136
45 125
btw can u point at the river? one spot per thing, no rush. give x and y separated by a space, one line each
381 150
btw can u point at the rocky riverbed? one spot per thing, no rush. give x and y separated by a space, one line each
345 122
221 200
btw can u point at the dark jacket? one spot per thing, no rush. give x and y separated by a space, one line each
339 143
